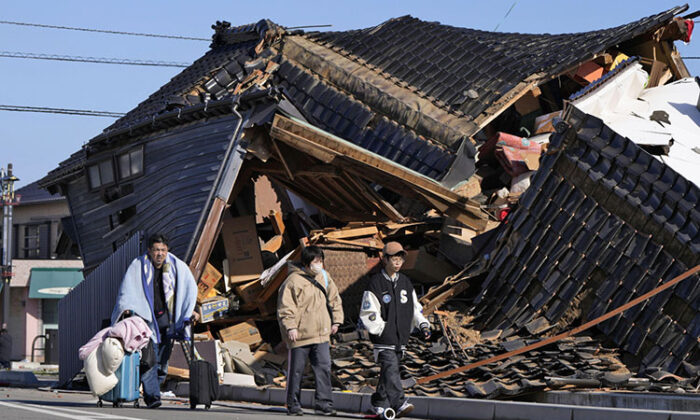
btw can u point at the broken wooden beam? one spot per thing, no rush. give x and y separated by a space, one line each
363 163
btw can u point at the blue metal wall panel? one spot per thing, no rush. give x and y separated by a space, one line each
81 312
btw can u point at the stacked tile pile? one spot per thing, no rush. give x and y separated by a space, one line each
577 362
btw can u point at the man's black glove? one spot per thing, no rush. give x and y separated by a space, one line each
425 329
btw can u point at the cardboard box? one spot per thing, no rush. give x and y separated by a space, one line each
245 332
242 249
423 267
248 292
532 160
209 309
527 103
206 284
545 123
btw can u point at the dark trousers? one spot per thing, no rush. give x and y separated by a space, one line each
155 376
320 357
389 391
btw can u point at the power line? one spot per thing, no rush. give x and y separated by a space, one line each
102 60
504 17
39 25
85 112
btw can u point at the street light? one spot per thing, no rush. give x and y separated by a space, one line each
7 199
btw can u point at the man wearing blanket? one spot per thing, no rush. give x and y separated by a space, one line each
160 288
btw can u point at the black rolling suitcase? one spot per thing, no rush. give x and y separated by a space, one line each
204 384
204 381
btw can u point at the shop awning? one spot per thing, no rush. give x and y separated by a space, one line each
53 283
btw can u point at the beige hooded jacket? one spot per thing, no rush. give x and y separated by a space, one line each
302 305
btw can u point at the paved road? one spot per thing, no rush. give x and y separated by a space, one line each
16 403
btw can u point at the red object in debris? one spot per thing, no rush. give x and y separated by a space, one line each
511 160
690 24
509 151
503 213
504 139
588 72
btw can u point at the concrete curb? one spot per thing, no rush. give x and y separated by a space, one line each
643 401
20 379
439 408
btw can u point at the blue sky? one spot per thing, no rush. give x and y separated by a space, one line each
36 143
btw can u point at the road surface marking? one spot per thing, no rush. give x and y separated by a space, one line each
68 413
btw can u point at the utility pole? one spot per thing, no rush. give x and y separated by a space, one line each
7 199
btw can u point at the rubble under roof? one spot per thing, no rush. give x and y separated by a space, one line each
453 153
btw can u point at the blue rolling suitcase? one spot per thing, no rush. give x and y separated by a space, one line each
127 389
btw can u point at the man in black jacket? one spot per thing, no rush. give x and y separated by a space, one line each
390 311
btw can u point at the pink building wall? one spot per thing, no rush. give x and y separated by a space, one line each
33 327
25 324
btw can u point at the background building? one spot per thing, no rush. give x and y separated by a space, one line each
45 267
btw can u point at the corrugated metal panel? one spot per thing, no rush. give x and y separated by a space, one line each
180 167
82 311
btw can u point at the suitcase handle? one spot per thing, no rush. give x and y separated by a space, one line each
190 351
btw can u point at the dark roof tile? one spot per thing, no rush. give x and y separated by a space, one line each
602 240
440 52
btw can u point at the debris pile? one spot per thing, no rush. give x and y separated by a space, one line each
248 263
238 288
522 214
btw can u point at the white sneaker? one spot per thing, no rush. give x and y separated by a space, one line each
405 409
384 413
378 410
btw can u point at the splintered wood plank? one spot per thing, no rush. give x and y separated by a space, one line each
207 238
283 160
350 193
273 245
306 192
274 284
277 222
373 197
356 243
510 98
306 219
437 301
674 59
658 69
309 138
352 233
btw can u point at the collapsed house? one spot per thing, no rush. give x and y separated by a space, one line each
605 221
409 130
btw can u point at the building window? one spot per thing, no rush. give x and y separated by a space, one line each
131 163
32 241
101 174
36 241
49 312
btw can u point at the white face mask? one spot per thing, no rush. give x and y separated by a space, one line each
316 267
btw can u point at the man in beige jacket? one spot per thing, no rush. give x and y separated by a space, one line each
309 310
